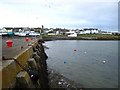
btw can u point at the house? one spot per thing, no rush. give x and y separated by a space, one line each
89 31
71 34
57 32
17 29
7 29
51 33
38 29
105 32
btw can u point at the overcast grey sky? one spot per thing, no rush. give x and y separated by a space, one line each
102 14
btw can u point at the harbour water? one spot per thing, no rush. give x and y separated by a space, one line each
93 64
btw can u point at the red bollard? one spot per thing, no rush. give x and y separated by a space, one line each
9 43
27 39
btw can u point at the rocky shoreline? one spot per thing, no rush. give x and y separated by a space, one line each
56 80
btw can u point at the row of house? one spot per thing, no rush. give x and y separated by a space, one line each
51 31
57 31
89 31
66 31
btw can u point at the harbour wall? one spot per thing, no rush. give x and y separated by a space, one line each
26 70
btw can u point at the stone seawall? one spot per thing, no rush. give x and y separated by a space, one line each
26 70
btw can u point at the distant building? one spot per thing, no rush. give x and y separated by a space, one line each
104 32
38 29
17 29
89 31
71 34
7 29
51 32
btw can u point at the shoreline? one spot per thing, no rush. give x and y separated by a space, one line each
57 80
60 37
54 38
81 37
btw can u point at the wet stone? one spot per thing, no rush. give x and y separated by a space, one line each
57 80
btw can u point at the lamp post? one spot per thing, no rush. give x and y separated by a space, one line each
42 32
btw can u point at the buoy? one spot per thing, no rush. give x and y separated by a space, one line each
27 39
103 62
64 62
75 50
9 43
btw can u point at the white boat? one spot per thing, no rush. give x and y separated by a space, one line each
3 33
26 33
16 33
23 33
33 33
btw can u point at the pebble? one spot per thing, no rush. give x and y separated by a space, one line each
65 82
51 80
62 80
68 85
59 83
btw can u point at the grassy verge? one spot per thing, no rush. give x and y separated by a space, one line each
100 36
83 37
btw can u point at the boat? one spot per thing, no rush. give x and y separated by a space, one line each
3 33
26 33
33 33
10 33
22 34
16 33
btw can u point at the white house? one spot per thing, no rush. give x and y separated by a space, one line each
71 34
94 31
89 31
57 32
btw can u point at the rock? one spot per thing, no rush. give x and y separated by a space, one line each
68 85
59 83
62 80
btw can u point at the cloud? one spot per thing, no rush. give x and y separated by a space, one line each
59 13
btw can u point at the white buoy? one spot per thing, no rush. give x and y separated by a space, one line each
103 62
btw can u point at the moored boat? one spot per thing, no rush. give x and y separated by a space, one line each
3 33
33 33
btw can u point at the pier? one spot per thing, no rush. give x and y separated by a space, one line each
24 64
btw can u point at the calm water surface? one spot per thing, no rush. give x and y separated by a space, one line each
82 61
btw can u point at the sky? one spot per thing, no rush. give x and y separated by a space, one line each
70 14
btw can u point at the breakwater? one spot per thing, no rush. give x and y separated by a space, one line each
26 70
